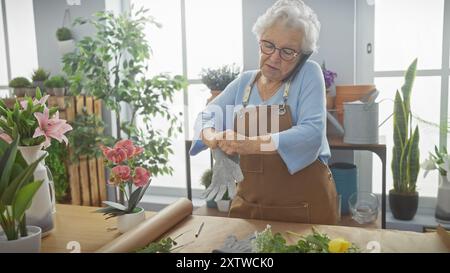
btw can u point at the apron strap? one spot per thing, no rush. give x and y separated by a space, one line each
249 87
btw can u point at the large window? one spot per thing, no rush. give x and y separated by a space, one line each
195 34
20 40
404 30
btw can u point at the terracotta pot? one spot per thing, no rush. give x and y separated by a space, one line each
214 93
346 93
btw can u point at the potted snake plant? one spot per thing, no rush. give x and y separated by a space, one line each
404 198
17 189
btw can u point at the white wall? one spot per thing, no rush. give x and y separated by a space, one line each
49 16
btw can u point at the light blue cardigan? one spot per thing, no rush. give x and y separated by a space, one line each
299 146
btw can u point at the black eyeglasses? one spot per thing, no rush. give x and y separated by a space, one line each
268 48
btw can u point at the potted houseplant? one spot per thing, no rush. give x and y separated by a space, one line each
217 79
16 194
117 74
403 198
39 77
329 77
440 161
66 43
37 125
206 181
131 179
56 85
20 85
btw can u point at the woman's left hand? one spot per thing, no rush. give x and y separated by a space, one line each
233 143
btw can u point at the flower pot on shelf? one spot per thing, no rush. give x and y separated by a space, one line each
66 46
127 222
20 92
223 205
30 92
28 244
59 92
39 84
42 207
403 205
442 213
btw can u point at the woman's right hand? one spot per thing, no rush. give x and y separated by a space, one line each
210 137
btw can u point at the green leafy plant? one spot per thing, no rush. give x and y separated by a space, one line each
33 121
267 242
55 161
40 75
206 178
112 66
63 34
163 246
55 82
405 153
87 135
219 78
16 189
20 82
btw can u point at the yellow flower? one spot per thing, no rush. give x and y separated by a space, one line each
338 245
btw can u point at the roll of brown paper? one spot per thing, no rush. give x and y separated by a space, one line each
150 229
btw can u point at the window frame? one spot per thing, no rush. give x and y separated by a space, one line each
365 73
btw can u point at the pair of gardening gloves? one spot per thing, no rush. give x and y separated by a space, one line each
226 173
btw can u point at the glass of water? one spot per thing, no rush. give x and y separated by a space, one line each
364 207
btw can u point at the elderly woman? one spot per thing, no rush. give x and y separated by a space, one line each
286 177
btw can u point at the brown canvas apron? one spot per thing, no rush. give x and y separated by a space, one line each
269 191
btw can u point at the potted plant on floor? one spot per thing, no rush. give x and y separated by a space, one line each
440 161
403 198
39 77
206 181
131 179
21 86
16 193
66 44
217 79
56 86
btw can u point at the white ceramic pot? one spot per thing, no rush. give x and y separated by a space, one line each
66 46
127 222
443 200
43 205
223 205
29 244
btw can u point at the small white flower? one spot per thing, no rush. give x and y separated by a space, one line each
428 165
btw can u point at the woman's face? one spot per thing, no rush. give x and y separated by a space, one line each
272 66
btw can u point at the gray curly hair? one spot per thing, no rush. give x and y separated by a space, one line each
293 13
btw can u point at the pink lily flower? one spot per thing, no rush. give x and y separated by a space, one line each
42 101
6 138
51 127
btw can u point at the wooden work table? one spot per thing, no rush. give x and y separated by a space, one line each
78 224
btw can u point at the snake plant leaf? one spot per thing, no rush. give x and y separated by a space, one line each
403 166
410 75
413 160
400 121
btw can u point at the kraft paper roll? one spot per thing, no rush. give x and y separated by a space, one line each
150 229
